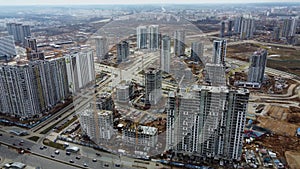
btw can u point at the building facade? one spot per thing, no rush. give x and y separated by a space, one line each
165 54
141 36
197 51
7 47
98 126
207 121
257 66
122 51
101 47
80 70
153 86
219 51
179 43
140 135
32 89
153 37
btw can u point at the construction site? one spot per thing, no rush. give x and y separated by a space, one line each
275 107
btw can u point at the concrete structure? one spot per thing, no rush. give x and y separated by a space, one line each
122 51
98 126
179 43
7 47
31 44
229 28
153 37
197 51
207 121
222 30
123 92
289 27
101 47
153 86
80 70
31 89
247 28
142 135
276 34
141 37
237 24
165 54
104 101
215 74
32 50
18 31
257 66
219 51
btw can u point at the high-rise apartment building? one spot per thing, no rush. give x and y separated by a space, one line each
179 43
247 28
215 74
222 30
153 86
80 70
238 24
122 51
101 47
19 31
207 121
141 36
97 125
289 27
219 51
257 66
276 34
229 28
165 54
153 37
7 47
197 51
31 89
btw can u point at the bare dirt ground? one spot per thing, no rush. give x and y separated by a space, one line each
293 159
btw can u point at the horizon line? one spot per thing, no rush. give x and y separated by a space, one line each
200 3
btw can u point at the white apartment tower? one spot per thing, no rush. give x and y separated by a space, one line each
80 70
179 43
219 51
257 66
101 47
7 47
207 121
97 125
165 54
153 37
141 36
197 51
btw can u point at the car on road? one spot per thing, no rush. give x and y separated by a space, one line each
78 157
85 164
106 165
56 151
68 153
98 154
94 160
71 161
117 165
28 148
52 155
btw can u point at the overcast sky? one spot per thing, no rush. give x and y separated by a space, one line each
61 2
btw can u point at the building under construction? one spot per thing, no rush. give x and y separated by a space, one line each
208 121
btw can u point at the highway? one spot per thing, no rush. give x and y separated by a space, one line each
48 159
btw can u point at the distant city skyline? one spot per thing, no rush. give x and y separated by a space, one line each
80 2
